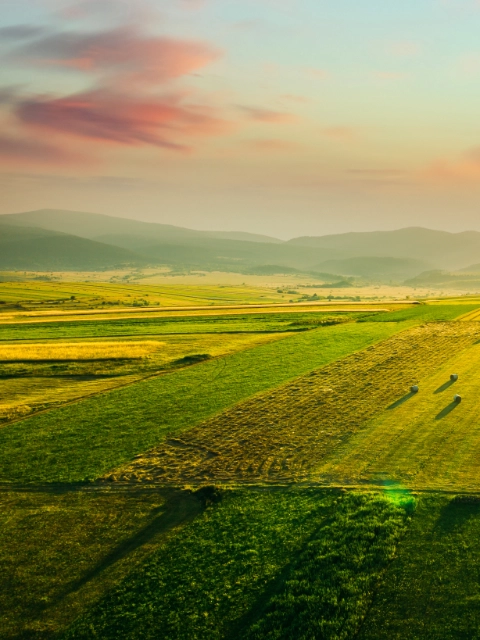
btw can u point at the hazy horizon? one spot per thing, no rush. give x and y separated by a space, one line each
273 117
239 230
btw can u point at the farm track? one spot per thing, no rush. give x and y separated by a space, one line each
283 435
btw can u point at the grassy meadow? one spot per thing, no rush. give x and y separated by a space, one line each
83 441
258 585
146 325
33 384
236 473
60 551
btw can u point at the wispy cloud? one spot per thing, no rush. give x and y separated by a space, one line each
273 144
124 51
131 101
465 169
266 115
103 116
21 32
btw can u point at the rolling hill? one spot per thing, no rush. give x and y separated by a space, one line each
375 268
159 244
382 256
96 226
30 248
443 250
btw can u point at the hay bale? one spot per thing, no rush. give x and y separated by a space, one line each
457 398
414 388
454 377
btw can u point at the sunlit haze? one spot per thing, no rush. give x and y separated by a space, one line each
281 117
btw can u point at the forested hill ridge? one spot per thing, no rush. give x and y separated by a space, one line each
56 239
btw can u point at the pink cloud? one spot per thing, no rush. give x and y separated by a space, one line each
106 117
463 170
272 145
130 67
267 115
124 51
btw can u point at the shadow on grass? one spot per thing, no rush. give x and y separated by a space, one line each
399 402
444 412
455 515
181 508
445 386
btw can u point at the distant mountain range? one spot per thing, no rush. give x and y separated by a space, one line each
51 239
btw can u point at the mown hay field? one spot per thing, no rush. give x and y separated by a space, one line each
285 435
423 440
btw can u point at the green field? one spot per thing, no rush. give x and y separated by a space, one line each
37 385
244 474
83 441
277 536
91 327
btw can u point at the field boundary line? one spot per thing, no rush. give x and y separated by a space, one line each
151 487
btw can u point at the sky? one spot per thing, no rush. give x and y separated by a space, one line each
283 117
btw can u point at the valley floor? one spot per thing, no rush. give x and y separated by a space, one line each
256 476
